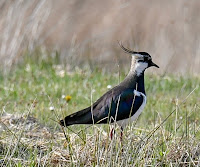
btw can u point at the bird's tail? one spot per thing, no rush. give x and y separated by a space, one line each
79 117
65 122
62 123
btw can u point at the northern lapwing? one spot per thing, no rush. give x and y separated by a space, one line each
123 103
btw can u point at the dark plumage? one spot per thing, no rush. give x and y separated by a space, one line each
104 109
120 102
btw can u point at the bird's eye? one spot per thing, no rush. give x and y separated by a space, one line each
147 58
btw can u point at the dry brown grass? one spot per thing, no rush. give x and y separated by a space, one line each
25 142
168 30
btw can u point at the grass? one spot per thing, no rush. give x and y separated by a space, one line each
31 136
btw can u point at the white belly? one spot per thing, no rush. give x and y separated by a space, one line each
124 122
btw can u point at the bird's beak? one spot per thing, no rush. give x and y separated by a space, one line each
153 64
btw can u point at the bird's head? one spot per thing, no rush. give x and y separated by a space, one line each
141 60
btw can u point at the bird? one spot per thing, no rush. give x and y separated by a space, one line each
121 104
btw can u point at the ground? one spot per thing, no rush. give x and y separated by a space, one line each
39 91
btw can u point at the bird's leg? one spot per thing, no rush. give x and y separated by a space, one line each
121 134
121 138
111 133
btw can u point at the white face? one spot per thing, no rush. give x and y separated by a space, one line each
140 67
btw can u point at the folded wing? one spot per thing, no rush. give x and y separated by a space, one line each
117 104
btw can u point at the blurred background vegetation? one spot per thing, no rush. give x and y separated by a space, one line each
88 31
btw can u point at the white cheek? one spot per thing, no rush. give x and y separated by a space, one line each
140 67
